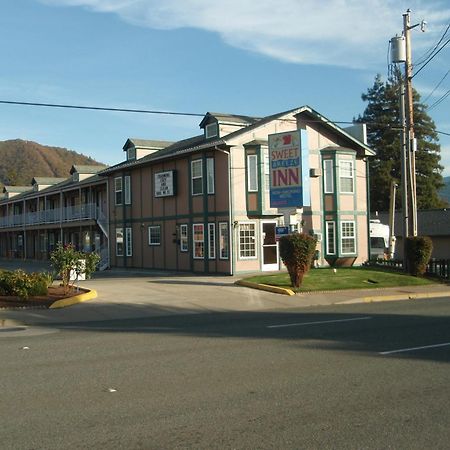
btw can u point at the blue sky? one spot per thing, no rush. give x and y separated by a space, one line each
236 56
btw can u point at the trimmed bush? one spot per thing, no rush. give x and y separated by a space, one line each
297 252
418 253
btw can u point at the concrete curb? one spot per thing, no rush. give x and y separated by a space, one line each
88 294
396 297
265 287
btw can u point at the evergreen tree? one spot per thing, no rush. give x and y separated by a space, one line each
383 134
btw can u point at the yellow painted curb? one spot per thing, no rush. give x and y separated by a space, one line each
88 294
412 296
265 287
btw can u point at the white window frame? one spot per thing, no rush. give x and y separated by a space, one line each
330 226
224 241
210 175
247 240
118 187
215 130
151 236
195 241
184 239
211 240
252 173
348 237
119 231
131 153
328 176
346 176
129 241
199 163
127 189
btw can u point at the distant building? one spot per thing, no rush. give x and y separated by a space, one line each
434 223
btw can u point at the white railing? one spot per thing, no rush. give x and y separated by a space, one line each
66 214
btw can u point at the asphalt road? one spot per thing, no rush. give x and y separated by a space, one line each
364 376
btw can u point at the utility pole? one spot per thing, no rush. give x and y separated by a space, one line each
410 141
401 53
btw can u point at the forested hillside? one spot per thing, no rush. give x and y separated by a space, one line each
20 161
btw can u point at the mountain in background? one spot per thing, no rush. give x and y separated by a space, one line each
444 193
20 161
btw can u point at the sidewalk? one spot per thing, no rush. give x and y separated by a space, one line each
134 294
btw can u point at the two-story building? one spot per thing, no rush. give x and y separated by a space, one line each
34 218
202 204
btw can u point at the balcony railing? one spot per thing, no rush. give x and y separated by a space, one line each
67 214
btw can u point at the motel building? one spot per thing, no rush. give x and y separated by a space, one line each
214 203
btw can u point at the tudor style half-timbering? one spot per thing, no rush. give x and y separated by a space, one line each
202 204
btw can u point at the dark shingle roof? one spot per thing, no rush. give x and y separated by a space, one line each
146 143
87 169
47 180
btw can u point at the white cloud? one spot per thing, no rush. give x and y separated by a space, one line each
350 33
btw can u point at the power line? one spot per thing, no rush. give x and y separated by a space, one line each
439 100
432 92
98 108
432 57
176 113
424 57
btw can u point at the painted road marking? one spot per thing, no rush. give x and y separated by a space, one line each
411 349
118 328
302 324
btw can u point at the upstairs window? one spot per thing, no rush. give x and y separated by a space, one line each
252 173
328 179
211 130
118 190
197 177
346 177
131 153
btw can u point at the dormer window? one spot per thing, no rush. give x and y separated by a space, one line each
211 130
131 153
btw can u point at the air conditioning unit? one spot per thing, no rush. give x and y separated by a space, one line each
318 236
314 173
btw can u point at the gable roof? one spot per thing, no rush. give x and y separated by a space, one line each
46 180
146 143
87 169
197 143
228 118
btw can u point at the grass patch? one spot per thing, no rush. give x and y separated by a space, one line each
344 278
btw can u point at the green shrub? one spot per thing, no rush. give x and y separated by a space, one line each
23 285
418 253
66 259
297 252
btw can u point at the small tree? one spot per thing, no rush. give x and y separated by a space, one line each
297 252
67 261
418 253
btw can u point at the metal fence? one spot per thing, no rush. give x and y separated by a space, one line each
436 267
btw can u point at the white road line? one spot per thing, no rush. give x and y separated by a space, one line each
302 324
125 329
403 350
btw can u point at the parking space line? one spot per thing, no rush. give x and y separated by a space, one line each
302 324
411 349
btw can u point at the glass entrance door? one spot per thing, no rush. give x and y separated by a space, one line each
269 246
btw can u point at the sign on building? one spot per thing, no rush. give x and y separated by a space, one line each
165 184
289 170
